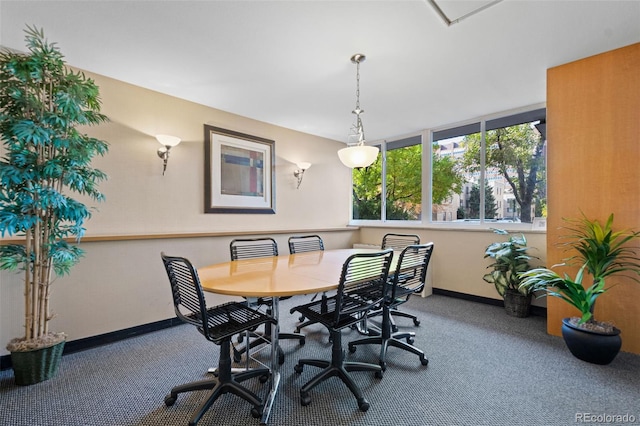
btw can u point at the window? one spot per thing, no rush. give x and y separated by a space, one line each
403 179
367 191
503 168
491 170
515 161
452 190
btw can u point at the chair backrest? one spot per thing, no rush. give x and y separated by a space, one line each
248 248
303 243
217 323
362 282
399 241
188 298
411 270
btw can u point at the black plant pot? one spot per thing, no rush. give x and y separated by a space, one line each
516 304
591 346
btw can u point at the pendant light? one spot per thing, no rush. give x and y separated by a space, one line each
358 154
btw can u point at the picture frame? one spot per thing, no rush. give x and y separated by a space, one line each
239 172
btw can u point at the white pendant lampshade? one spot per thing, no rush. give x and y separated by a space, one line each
358 156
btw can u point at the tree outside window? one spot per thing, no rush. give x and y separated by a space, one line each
403 183
514 160
367 191
490 208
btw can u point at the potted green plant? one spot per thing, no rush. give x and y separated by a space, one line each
601 253
46 157
510 259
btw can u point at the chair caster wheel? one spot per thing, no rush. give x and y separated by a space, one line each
169 400
301 318
256 412
352 349
410 340
416 322
264 378
240 338
298 368
303 341
305 399
424 361
363 405
379 375
297 330
394 328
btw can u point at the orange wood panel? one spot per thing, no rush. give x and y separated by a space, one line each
593 166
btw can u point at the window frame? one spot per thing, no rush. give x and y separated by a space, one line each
495 120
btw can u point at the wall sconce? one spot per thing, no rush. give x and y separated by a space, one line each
168 142
299 173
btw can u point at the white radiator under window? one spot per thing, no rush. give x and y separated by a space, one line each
366 246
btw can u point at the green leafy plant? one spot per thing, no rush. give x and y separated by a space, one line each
42 104
510 260
601 253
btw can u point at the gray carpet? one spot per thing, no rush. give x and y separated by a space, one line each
485 369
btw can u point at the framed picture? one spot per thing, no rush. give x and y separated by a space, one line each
239 172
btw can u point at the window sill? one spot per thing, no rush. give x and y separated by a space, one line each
538 227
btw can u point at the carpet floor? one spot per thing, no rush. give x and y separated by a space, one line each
485 368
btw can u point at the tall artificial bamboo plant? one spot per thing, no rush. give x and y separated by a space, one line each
42 105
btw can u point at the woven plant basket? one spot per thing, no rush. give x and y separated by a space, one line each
36 366
516 304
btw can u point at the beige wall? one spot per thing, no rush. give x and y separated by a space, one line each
140 200
458 262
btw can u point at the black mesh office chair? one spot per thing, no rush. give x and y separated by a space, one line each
217 324
409 278
361 288
398 242
304 244
251 248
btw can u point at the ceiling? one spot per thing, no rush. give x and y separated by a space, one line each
288 62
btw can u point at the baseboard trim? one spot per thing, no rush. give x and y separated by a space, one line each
104 339
535 310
